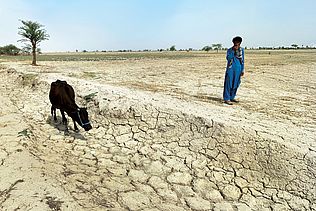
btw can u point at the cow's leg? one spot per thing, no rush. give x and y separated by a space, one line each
53 112
75 126
63 117
55 117
64 120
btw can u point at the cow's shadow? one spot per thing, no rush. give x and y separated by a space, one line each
62 128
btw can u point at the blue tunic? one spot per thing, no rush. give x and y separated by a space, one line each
235 66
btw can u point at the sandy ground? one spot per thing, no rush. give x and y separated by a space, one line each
162 135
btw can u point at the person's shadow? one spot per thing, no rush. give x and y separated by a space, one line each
207 98
62 128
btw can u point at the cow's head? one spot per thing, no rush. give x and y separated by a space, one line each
82 118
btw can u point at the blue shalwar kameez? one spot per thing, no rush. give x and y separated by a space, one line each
235 66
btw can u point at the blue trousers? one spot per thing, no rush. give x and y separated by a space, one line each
231 83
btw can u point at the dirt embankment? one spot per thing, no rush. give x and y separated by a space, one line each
146 152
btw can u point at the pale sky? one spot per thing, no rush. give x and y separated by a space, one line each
152 24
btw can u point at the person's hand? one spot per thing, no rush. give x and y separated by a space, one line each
238 53
236 46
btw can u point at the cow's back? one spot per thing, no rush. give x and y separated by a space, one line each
61 94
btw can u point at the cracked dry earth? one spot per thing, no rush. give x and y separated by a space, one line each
152 150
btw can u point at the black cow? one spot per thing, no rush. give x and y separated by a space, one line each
62 96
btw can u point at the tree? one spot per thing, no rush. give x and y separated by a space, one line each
27 49
32 32
294 45
217 46
9 50
207 48
39 51
173 48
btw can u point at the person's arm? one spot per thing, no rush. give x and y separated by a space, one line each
243 62
230 55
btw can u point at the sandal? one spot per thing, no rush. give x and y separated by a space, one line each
228 102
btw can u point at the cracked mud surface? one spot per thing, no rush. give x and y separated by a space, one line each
159 147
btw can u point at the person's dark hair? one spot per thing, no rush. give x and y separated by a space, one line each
237 39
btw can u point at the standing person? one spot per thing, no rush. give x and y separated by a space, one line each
234 71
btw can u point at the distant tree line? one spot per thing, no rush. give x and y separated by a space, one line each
12 50
293 46
9 50
213 47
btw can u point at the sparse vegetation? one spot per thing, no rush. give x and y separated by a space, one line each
53 203
89 74
90 97
217 46
6 193
207 48
175 55
108 56
25 132
29 79
173 48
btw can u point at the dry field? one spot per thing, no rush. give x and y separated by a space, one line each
162 137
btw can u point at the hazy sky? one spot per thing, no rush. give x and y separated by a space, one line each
153 24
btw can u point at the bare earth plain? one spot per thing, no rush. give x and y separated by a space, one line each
162 139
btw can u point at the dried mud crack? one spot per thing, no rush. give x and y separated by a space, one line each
141 156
